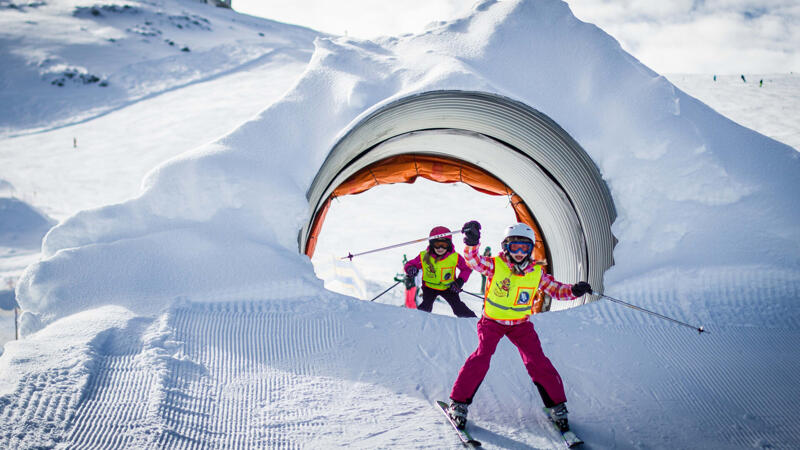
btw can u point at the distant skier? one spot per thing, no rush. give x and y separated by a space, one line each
515 278
743 79
438 264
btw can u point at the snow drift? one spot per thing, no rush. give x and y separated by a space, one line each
22 225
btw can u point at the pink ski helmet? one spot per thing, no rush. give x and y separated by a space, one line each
440 230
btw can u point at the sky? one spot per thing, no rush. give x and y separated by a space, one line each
677 36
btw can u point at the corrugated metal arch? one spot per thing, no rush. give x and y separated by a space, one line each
517 144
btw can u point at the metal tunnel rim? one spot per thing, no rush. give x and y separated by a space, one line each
575 181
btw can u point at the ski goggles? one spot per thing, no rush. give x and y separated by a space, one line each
520 247
441 244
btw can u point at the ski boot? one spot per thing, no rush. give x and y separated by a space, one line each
558 414
458 412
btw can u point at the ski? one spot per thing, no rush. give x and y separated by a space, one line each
411 297
463 434
569 438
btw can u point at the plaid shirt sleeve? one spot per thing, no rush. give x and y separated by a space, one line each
477 262
464 270
556 290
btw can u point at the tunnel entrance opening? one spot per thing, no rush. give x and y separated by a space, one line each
390 214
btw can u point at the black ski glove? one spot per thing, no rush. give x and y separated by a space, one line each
456 286
412 271
581 288
472 232
409 282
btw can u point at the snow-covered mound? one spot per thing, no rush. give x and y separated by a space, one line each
693 190
22 228
21 225
70 60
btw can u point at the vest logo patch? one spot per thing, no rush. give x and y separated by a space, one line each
524 298
448 275
501 289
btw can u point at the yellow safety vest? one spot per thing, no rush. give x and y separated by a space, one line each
509 296
444 271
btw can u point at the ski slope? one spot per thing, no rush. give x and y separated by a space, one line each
270 373
256 356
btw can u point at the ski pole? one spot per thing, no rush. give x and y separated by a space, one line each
698 329
387 290
474 295
350 256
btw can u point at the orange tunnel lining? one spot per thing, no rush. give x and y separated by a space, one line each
406 169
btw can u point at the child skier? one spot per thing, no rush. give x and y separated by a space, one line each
438 264
514 281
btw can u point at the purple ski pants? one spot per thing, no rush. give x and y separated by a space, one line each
539 367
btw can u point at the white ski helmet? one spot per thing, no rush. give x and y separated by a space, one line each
520 230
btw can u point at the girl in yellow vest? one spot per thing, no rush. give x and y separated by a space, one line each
438 264
515 278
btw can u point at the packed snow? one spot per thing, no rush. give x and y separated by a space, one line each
180 313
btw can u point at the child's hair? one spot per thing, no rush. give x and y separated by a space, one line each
428 260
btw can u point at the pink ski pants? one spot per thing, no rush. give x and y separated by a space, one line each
539 367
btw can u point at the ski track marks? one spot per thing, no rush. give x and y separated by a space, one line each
252 357
691 386
200 376
218 375
735 388
274 374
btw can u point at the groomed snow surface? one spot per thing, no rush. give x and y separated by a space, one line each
181 315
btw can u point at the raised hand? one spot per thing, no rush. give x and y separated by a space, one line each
472 232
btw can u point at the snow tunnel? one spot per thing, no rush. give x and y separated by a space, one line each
495 144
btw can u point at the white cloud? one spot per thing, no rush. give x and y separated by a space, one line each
711 36
675 36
